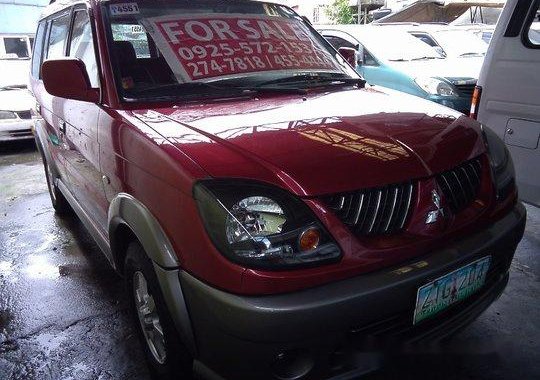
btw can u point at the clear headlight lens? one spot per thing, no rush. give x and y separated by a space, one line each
262 227
6 115
436 86
501 163
254 217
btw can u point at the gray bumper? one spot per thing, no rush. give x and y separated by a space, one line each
241 337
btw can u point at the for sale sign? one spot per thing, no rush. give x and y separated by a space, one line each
200 47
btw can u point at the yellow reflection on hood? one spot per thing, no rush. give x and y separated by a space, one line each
367 146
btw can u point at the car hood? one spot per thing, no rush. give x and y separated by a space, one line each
451 68
16 100
321 143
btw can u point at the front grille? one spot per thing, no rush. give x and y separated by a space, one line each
24 114
374 211
460 185
466 89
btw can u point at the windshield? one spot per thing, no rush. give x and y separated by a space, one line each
14 48
396 45
458 43
181 49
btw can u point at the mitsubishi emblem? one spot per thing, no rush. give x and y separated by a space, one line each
433 216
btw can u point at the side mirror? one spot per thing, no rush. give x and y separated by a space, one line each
350 55
68 78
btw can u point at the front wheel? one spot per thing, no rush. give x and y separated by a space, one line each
167 356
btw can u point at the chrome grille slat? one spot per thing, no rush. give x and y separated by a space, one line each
461 184
389 219
374 211
359 209
378 204
407 205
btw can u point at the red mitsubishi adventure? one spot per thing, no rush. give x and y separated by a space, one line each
269 211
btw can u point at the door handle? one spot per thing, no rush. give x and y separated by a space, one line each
63 127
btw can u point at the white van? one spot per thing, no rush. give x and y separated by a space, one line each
507 98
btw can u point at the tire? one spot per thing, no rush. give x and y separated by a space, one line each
166 355
59 202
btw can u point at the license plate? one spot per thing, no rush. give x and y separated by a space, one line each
453 287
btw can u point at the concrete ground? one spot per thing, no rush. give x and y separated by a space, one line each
62 314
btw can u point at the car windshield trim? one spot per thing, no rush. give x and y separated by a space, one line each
313 54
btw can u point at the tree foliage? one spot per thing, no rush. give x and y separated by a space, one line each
340 12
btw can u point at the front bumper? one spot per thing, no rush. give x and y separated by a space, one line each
17 129
323 331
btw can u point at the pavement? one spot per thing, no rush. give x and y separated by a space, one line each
63 315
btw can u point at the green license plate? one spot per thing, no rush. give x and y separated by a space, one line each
453 287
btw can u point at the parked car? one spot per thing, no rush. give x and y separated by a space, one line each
451 43
393 58
16 103
268 212
507 94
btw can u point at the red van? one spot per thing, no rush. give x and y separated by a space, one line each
269 211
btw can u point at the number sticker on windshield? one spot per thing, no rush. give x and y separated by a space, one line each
124 9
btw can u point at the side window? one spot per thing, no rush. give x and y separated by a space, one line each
426 39
338 42
38 48
82 45
16 47
369 60
533 33
57 36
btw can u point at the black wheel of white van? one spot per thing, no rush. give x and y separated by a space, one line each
167 356
59 202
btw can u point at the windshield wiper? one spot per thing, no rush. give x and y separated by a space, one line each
13 87
472 54
426 58
313 78
171 91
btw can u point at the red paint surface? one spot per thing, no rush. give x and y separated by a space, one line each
320 143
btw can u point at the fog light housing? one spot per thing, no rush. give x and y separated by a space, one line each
292 364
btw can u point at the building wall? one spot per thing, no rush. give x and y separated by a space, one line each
20 16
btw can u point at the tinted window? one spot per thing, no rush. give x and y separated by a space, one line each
16 46
338 42
57 36
36 58
534 29
425 38
82 45
135 34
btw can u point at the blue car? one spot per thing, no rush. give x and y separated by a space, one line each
395 59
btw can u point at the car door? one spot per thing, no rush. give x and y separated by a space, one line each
81 127
55 32
510 101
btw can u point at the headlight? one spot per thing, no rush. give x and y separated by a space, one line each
435 86
5 115
263 227
501 163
